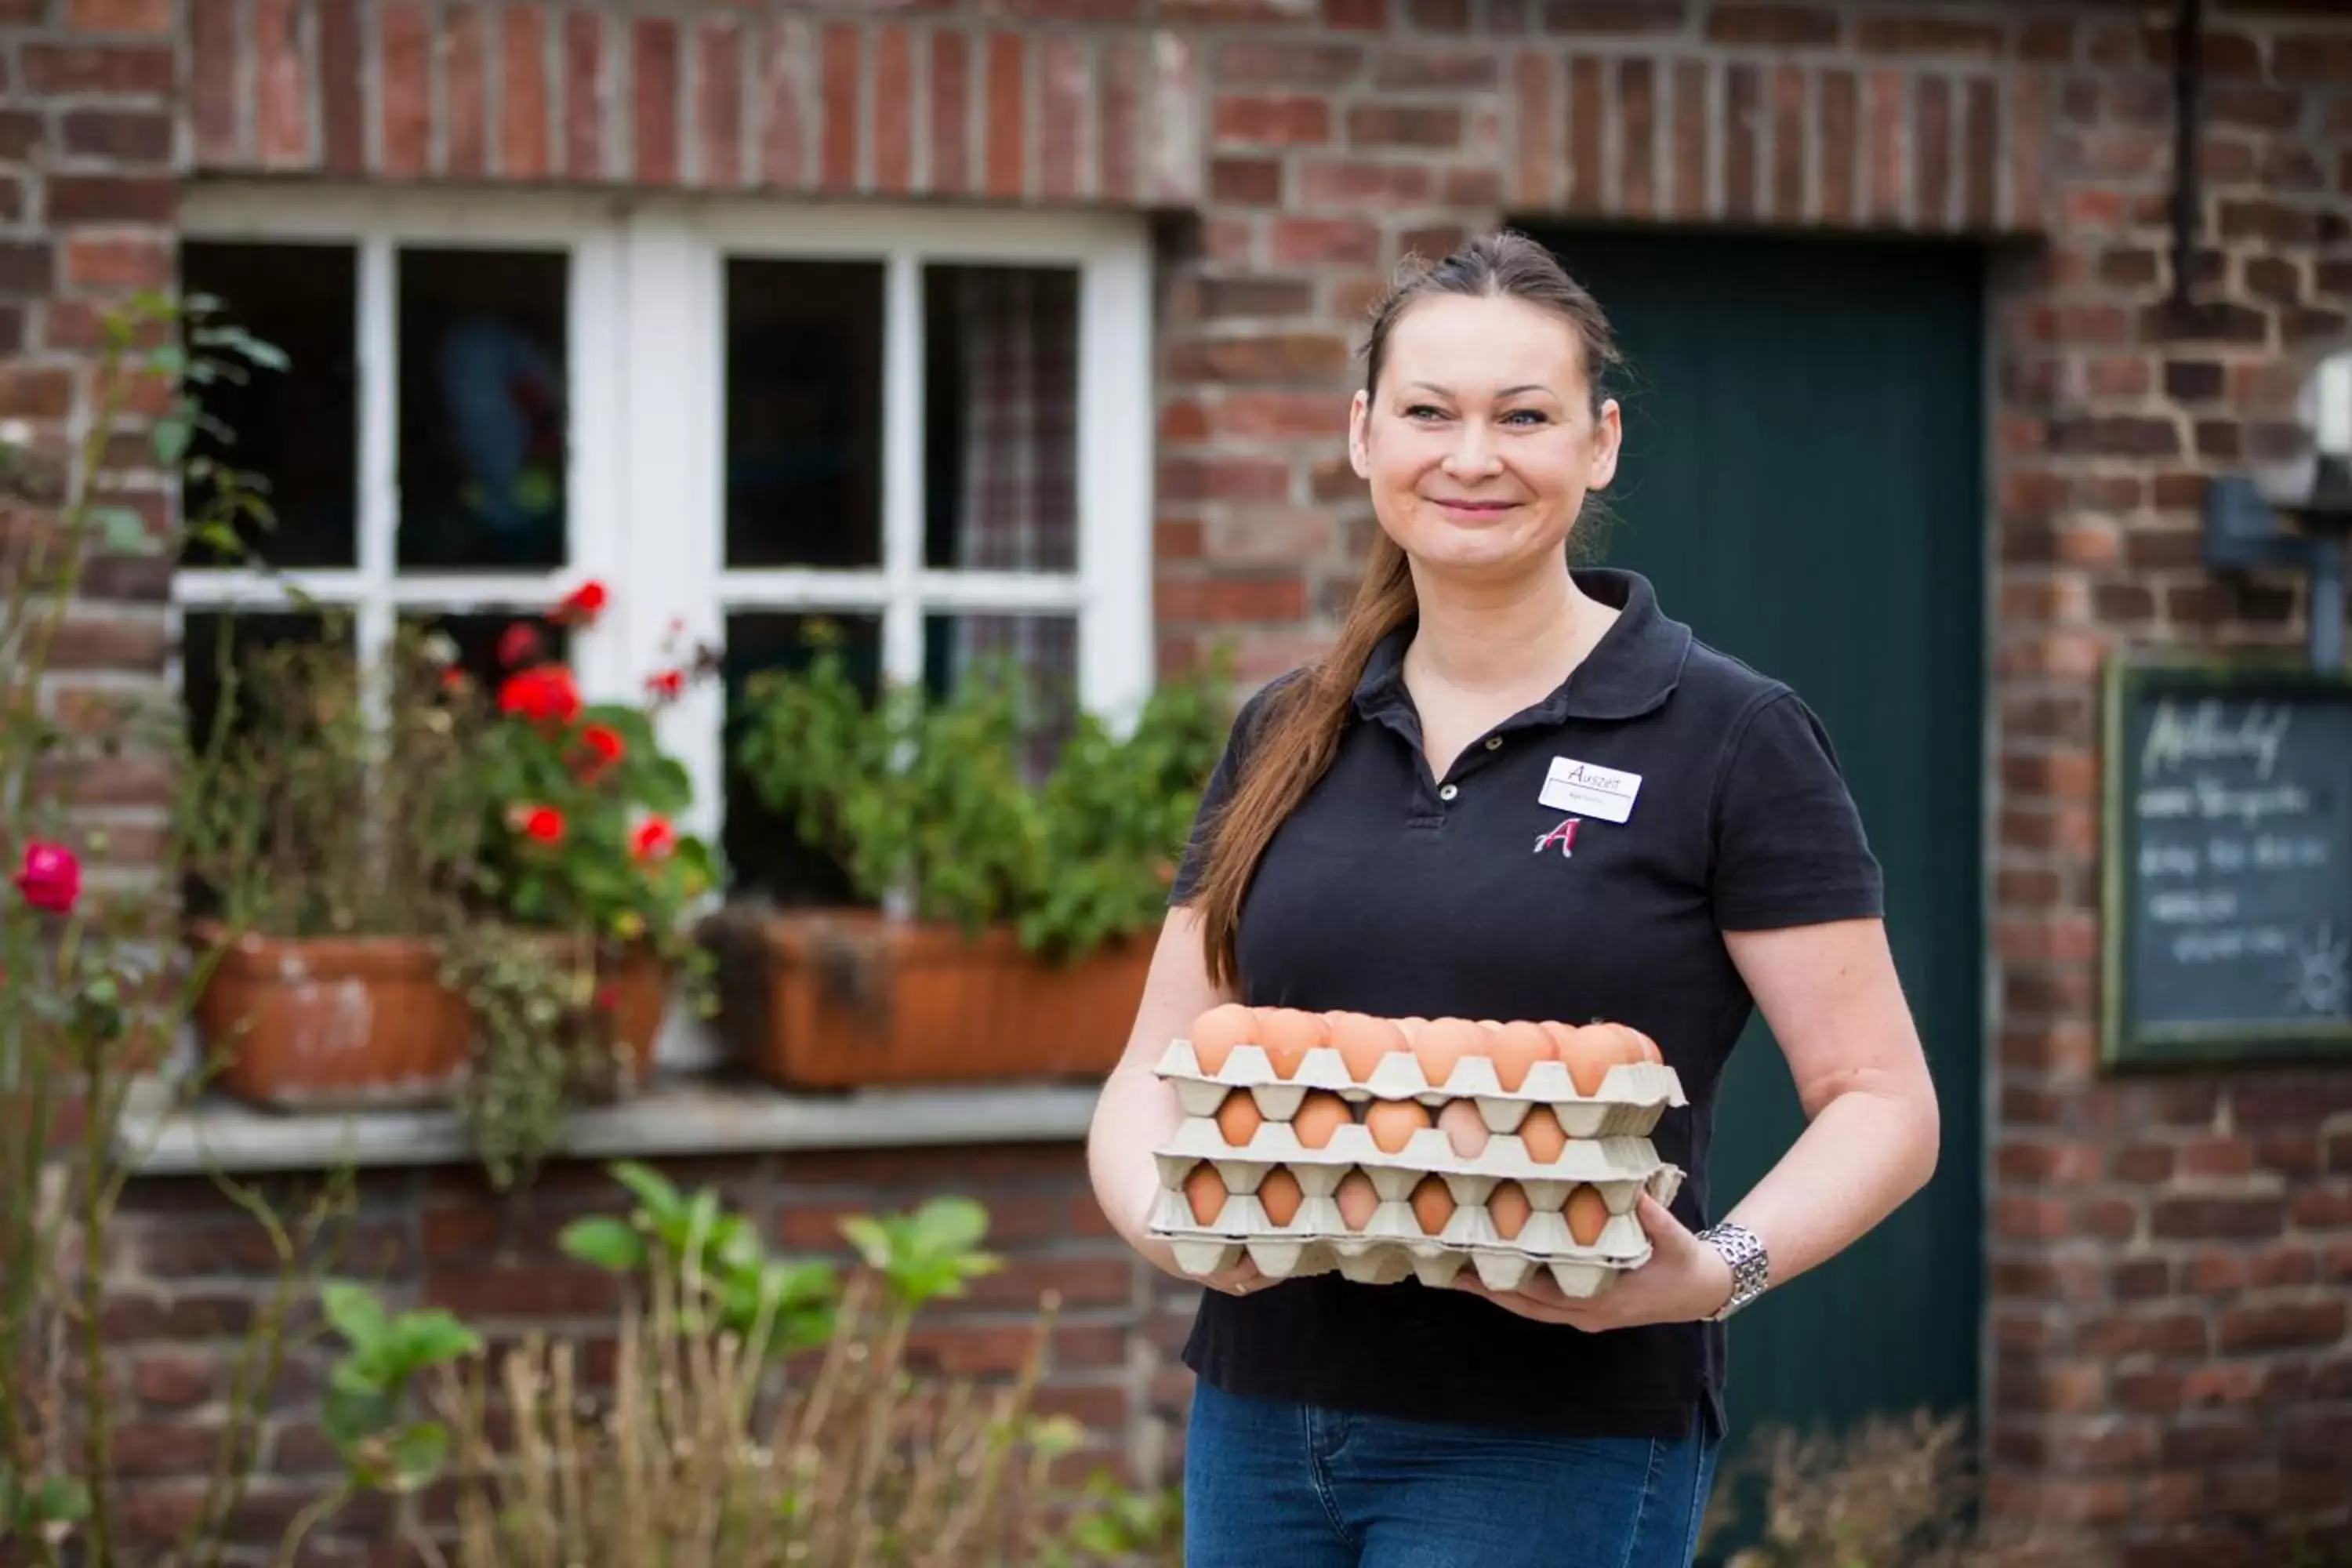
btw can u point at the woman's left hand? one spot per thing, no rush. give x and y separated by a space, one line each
1684 1279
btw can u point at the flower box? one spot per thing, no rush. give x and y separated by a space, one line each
843 999
341 1023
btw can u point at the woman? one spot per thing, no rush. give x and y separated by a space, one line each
1513 790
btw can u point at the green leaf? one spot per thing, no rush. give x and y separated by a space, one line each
121 531
418 1454
605 1242
430 1337
951 1224
171 437
650 1188
865 1233
355 1312
60 1499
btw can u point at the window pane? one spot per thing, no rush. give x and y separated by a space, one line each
491 644
1041 652
1001 419
803 413
296 429
762 850
483 386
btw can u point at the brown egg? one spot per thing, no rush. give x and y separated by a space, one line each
1279 1195
1216 1032
1320 1114
1463 1127
1443 1042
1509 1207
1205 1190
1362 1041
1516 1047
1289 1035
1357 1200
1590 1052
1542 1135
1394 1122
1239 1119
1647 1046
1432 1205
1411 1030
1588 1215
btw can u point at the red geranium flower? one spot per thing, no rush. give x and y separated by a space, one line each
541 824
544 695
50 877
518 645
654 839
666 685
581 606
603 748
452 679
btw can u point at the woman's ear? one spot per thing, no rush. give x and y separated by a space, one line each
1359 413
1608 438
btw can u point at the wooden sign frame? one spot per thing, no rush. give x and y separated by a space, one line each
2127 679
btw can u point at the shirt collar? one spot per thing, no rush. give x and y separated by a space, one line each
1631 670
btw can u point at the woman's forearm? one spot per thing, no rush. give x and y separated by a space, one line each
1862 1155
1137 1113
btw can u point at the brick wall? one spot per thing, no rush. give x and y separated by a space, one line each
2169 1360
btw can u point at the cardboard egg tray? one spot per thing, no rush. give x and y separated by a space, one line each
1628 1103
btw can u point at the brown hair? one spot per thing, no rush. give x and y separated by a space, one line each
1298 731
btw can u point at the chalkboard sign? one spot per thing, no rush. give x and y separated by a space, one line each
2227 863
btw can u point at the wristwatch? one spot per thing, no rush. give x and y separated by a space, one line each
1751 1269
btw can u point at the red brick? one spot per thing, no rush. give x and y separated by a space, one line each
152 1449
1295 120
1422 69
584 103
2221 1383
1927 34
654 74
135 136
56 69
1078 1282
523 151
1693 126
1064 94
1312 357
1779 27
1225 477
538 1287
1118 117
1627 19
1245 181
1534 100
174 1379
1587 121
1889 140
2279 1326
343 88
971 1349
281 130
405 51
1637 118
2326 1206
718 104
465 117
1231 599
147 16
1288 63
1005 157
2312 58
1306 241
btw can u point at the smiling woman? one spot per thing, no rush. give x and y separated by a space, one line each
1364 848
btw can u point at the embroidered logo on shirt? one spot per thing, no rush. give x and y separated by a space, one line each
1564 835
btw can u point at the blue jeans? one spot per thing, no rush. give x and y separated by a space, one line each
1269 1484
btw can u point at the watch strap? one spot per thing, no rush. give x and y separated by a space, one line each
1751 1267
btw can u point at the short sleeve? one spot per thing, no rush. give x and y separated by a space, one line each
1223 781
1789 843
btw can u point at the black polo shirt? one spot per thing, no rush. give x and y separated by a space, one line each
1581 860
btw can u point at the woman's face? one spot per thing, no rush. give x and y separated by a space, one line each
1480 441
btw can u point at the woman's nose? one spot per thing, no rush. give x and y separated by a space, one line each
1474 449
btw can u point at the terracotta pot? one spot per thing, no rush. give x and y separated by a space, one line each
332 1022
638 985
841 999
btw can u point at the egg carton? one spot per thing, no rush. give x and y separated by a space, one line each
1428 1152
1628 1103
1393 1246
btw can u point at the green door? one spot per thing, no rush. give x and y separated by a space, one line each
1800 481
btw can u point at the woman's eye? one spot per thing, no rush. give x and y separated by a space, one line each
1423 411
1524 417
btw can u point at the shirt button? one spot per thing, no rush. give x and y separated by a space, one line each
1494 742
1449 791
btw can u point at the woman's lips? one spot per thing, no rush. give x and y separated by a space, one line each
1475 508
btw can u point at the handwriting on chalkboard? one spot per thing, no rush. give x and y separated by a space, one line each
2236 849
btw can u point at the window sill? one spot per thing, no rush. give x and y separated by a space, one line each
674 1115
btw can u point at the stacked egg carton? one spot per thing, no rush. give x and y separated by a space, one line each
1442 1193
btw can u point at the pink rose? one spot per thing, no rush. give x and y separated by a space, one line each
50 877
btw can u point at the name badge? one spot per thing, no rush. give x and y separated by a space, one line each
1605 793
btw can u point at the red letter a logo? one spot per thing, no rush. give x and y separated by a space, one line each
1564 835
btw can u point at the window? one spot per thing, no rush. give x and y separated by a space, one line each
932 426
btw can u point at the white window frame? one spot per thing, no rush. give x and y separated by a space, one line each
647 364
